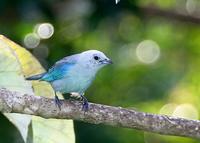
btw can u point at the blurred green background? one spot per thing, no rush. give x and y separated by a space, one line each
154 44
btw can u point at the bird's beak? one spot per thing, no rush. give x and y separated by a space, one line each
107 61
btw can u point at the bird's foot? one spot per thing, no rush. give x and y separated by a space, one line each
85 106
57 102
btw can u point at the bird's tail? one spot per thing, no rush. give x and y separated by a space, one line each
35 77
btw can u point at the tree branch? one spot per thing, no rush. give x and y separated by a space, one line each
170 14
14 102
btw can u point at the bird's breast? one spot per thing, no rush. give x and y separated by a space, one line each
75 81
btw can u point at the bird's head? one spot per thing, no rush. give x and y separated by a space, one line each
94 59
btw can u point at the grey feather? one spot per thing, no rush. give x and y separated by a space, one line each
69 59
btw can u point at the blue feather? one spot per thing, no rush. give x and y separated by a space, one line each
57 72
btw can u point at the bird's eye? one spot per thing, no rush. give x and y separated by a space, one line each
96 58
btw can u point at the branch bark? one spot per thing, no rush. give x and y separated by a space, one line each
14 102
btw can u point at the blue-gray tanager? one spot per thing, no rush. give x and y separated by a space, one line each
74 74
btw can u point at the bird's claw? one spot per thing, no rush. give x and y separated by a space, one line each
57 102
85 106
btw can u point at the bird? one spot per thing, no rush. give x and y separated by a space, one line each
74 74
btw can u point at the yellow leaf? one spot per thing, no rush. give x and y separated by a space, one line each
16 63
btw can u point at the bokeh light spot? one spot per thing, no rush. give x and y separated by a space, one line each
45 30
148 51
186 111
31 40
190 6
126 55
168 109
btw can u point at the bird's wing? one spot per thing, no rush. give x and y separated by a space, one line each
60 69
69 59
